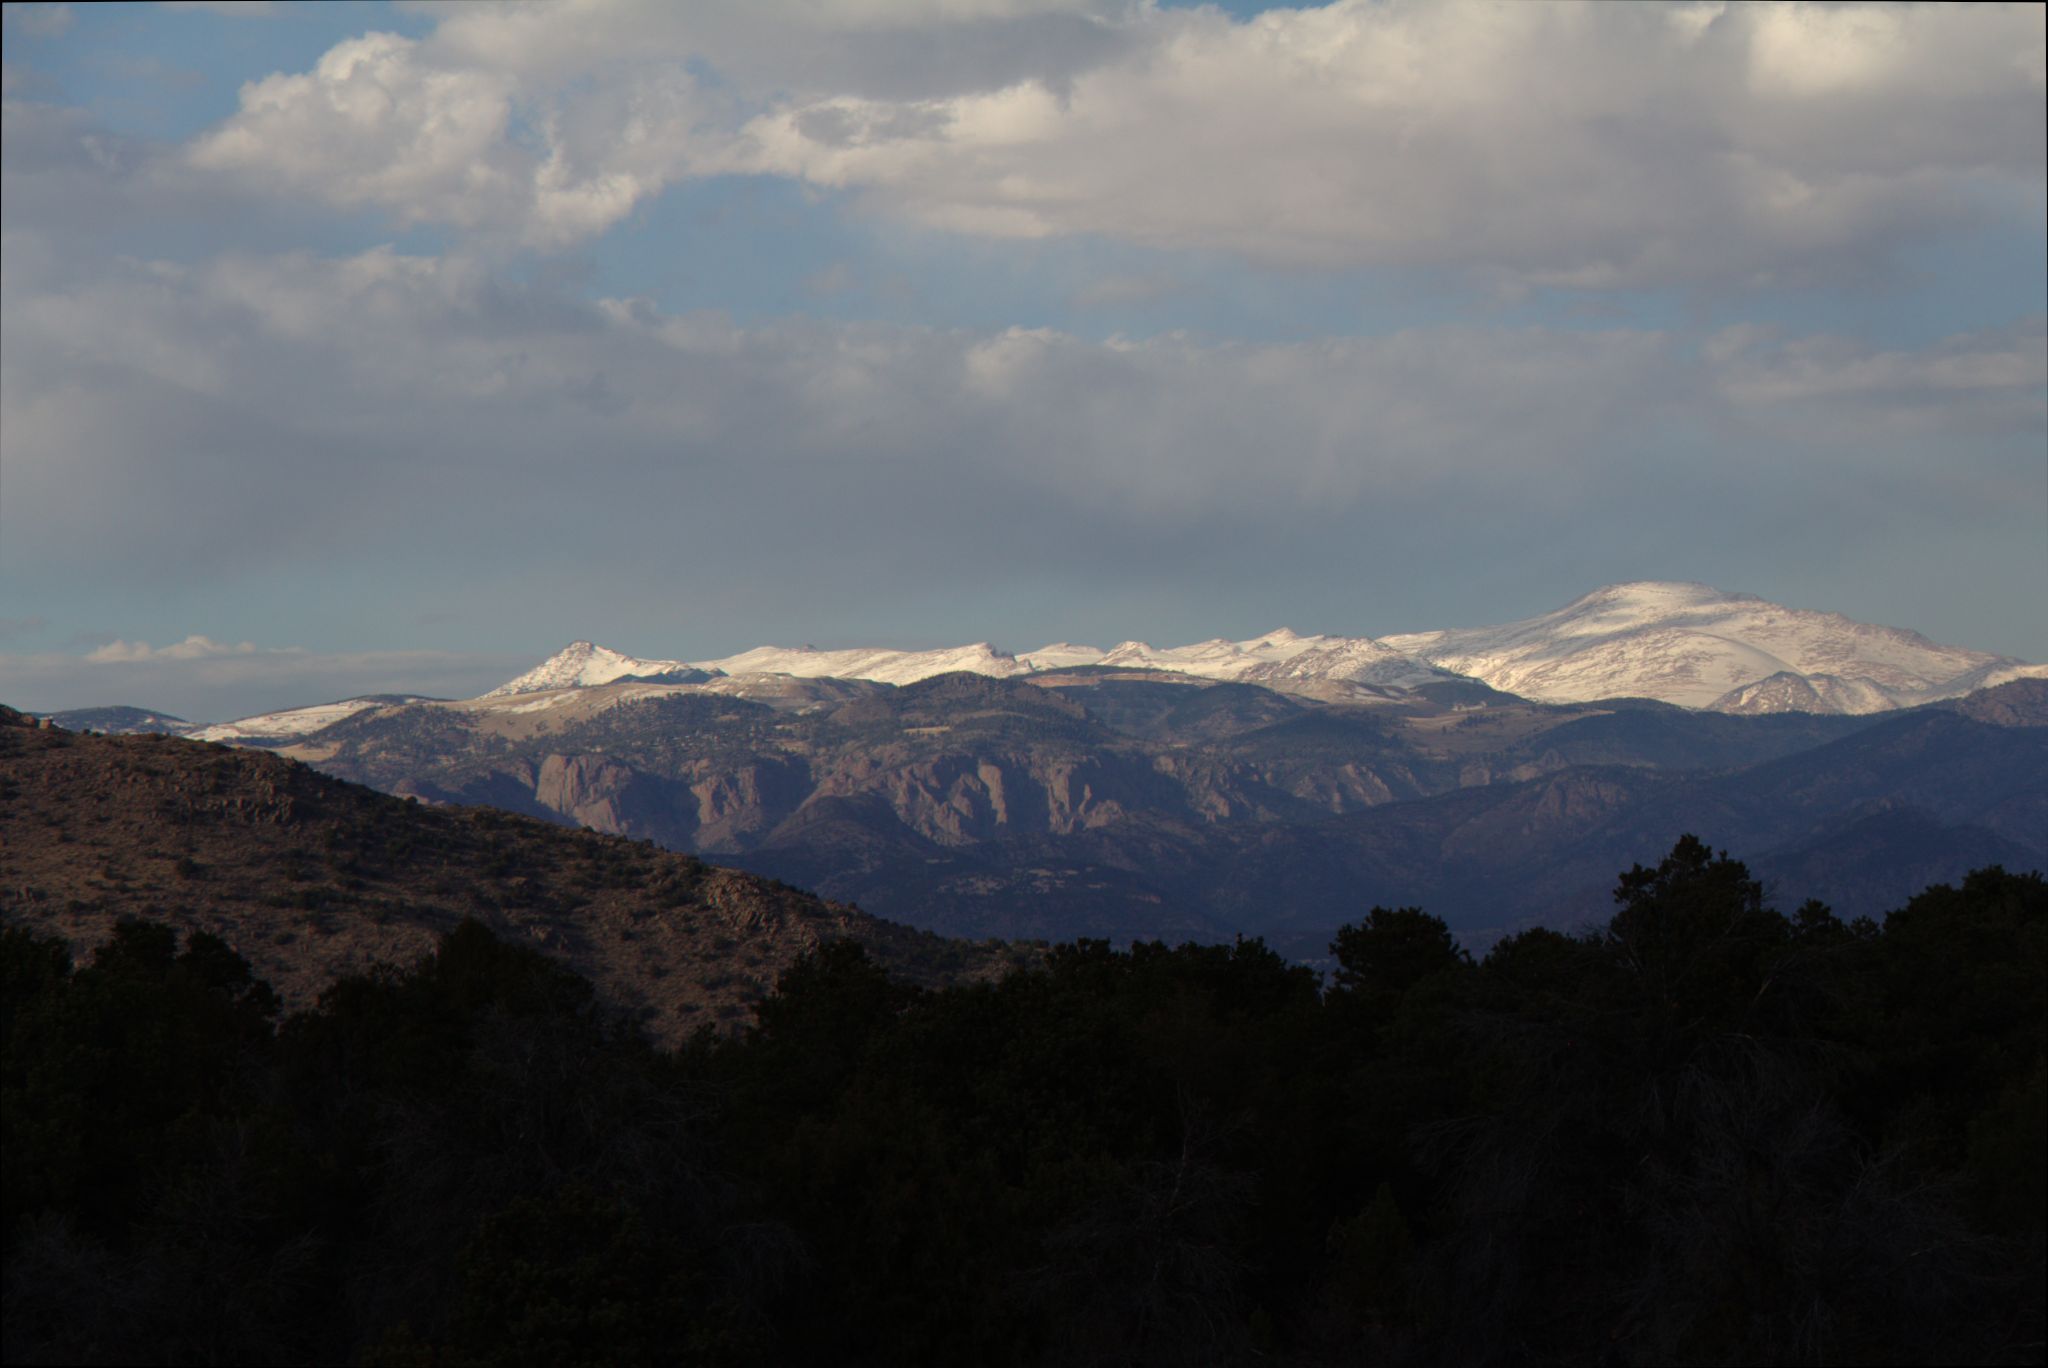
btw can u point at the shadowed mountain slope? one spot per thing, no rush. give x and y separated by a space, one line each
1126 804
1860 821
311 878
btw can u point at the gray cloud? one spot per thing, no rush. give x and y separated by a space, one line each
548 466
1759 365
355 377
890 49
1111 291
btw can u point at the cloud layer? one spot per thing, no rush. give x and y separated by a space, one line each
1556 144
373 371
409 414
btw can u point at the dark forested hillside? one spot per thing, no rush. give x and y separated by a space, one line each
1705 1131
310 878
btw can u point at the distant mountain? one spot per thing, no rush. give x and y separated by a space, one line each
270 729
1696 646
1686 644
121 721
1862 820
1116 801
1279 659
893 667
582 664
1284 658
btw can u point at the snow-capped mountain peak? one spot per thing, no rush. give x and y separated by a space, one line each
1702 647
582 664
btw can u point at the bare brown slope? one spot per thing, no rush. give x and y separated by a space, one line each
310 877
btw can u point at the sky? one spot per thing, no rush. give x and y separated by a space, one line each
351 347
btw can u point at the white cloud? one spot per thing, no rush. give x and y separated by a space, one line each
191 648
382 122
1560 144
546 124
370 126
1586 146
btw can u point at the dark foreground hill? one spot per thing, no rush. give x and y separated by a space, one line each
310 878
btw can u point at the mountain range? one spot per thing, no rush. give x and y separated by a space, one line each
1688 644
1680 643
1273 786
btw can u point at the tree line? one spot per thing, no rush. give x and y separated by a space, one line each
1704 1131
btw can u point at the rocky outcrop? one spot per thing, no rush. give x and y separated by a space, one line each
735 807
592 790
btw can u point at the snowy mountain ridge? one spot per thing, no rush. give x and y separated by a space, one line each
877 663
1683 643
1276 659
1284 657
1699 647
291 723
